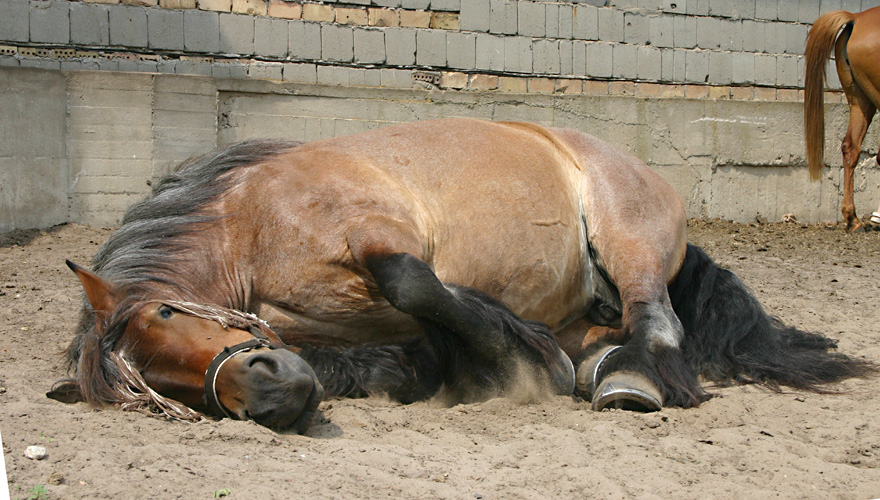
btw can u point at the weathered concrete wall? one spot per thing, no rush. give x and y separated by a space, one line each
100 97
33 157
87 144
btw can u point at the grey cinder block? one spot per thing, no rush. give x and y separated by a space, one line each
400 46
546 57
201 31
720 68
566 20
765 69
503 17
787 71
237 34
765 9
337 43
265 71
610 25
431 48
697 66
742 68
635 28
474 16
661 31
585 23
305 40
90 24
49 22
128 26
566 50
753 36
270 37
650 63
551 20
708 33
461 50
531 19
684 32
731 35
14 23
600 60
625 59
446 5
303 73
518 55
369 46
165 29
490 52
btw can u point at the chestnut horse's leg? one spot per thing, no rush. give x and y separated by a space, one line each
855 60
861 112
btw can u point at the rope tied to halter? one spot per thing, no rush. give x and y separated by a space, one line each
138 396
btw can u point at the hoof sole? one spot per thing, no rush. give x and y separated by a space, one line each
627 391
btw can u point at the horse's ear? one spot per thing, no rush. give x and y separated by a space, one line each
65 390
98 291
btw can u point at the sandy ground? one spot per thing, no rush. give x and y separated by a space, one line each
745 443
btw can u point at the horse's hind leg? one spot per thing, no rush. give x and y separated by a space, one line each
861 112
481 346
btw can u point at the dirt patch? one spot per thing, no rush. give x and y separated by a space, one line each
745 443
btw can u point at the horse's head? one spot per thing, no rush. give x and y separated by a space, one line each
215 360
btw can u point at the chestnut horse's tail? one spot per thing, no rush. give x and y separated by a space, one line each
820 43
729 336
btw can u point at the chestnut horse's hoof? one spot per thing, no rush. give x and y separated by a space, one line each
625 390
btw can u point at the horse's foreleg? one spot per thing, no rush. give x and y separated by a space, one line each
649 371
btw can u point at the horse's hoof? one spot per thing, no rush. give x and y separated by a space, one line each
627 391
588 371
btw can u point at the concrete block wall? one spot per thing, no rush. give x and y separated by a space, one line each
118 92
709 42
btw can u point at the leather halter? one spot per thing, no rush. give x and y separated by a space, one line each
226 317
260 340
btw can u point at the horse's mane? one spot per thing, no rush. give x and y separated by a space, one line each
155 233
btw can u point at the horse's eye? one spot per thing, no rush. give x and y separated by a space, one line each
165 312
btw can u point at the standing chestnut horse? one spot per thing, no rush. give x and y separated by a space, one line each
855 39
452 255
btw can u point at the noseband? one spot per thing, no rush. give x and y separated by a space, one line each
226 317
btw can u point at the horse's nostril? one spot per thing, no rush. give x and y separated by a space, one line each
270 361
283 391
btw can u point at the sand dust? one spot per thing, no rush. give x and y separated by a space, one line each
745 443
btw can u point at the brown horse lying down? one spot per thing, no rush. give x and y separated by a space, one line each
453 255
855 39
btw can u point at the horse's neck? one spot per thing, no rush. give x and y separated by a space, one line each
207 276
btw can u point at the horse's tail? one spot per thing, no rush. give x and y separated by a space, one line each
729 336
820 43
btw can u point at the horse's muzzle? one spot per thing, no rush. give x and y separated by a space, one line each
280 389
